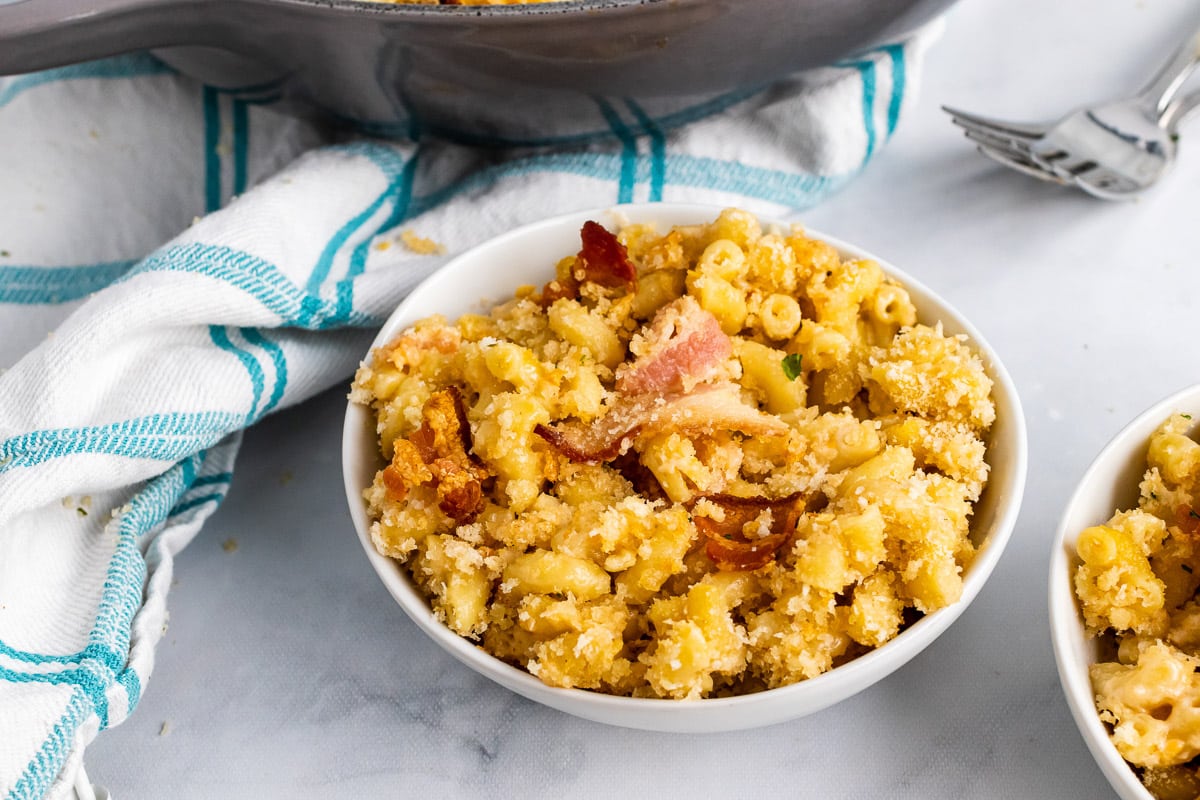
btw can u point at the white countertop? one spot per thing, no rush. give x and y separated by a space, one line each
288 671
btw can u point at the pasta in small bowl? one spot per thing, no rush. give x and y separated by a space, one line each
1123 615
687 470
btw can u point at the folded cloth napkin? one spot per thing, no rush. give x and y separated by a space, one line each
130 376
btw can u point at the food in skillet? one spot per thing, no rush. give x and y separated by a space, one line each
465 2
695 463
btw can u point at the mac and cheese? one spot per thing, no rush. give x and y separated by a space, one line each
1136 583
696 463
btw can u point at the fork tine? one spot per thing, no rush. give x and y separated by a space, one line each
1021 165
1016 150
1062 163
994 135
1019 149
998 126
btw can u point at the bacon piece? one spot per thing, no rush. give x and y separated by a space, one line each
408 468
1188 520
706 409
575 444
728 544
684 346
558 289
439 453
603 259
444 430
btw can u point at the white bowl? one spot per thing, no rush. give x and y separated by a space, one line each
1110 483
491 272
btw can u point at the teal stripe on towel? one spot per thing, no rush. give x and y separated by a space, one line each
241 144
387 158
163 437
261 279
100 654
41 771
133 687
401 195
325 263
789 189
209 480
126 575
688 114
51 285
896 54
392 164
38 658
84 678
255 92
257 338
220 337
145 512
599 166
658 150
109 640
127 66
188 505
629 152
211 102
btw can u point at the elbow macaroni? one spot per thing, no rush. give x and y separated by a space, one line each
597 575
1136 579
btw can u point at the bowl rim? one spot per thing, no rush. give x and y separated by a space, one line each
1066 623
839 682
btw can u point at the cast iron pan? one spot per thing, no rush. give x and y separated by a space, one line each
490 75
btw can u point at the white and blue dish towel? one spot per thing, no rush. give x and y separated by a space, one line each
128 367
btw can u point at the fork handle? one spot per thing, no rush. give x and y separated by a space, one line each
1179 110
1159 95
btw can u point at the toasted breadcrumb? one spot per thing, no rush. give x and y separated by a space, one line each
420 245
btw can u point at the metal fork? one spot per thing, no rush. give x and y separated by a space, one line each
1114 151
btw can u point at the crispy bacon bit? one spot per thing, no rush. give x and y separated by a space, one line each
439 453
408 468
603 259
706 409
684 346
572 443
558 289
731 546
1189 520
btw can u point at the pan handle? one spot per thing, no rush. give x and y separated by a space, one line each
40 34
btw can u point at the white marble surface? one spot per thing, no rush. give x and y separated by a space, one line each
289 672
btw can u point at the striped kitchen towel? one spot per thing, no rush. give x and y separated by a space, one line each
129 366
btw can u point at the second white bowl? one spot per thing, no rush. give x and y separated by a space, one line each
1110 483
